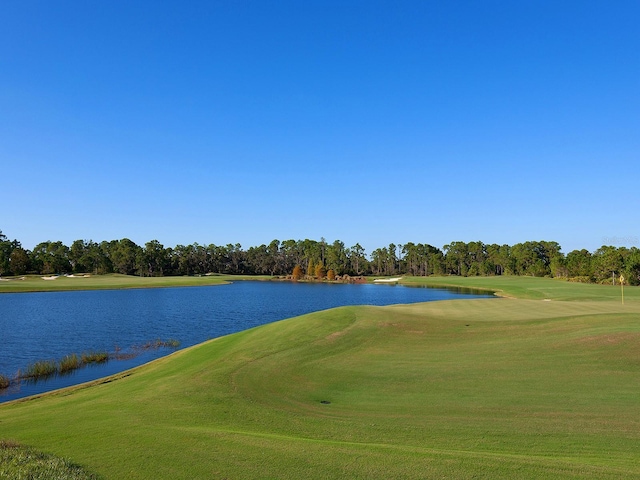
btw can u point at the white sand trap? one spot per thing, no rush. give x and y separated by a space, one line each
387 280
49 278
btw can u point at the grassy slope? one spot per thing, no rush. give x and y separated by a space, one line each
530 287
504 388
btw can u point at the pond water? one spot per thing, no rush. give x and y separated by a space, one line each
50 325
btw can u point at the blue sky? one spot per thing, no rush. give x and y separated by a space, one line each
364 121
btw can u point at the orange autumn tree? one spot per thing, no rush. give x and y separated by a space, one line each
297 272
331 275
311 268
320 271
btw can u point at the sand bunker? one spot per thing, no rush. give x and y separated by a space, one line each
387 280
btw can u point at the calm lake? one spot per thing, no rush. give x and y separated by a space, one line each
50 325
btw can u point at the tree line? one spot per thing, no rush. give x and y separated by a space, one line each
314 258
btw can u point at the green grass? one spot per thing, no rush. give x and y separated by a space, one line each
35 283
534 288
21 463
487 388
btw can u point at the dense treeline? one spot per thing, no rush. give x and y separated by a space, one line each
315 258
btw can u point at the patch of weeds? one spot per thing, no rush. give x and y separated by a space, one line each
155 344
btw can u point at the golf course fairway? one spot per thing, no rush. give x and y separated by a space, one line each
542 384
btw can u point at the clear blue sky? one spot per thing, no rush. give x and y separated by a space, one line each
365 121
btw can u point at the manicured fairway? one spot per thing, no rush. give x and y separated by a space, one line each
532 387
35 283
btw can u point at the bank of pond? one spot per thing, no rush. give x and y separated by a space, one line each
118 324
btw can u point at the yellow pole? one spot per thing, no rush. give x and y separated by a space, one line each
622 287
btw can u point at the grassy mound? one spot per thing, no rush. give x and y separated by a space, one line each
18 462
489 388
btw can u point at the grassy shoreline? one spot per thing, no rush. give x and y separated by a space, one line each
37 283
505 286
546 385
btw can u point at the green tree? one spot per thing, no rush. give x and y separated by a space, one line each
632 266
391 264
123 256
19 261
579 263
292 254
499 256
456 258
337 259
534 258
153 259
357 259
88 256
607 262
411 259
6 249
379 258
51 257
477 260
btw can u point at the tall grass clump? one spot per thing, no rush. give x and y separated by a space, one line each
40 369
4 382
69 363
94 357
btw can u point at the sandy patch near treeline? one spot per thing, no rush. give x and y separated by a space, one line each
387 280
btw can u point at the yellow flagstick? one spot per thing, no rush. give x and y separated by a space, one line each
622 287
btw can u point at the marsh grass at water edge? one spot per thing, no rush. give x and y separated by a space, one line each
44 369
